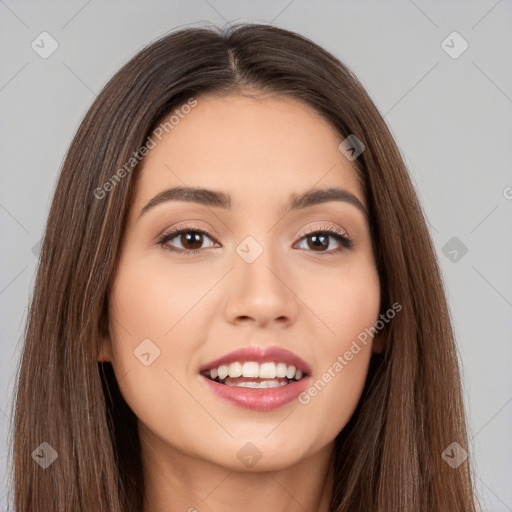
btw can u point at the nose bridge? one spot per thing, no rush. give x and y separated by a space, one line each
259 287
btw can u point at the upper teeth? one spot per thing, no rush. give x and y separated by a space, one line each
256 370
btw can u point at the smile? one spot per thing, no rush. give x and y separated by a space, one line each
256 378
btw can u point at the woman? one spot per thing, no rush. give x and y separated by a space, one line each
238 303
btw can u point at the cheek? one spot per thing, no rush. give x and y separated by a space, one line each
349 306
148 310
345 301
149 299
358 304
153 300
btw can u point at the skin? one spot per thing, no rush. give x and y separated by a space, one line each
198 307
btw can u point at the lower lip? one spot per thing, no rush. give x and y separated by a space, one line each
258 399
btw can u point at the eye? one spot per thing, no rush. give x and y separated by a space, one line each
191 239
319 240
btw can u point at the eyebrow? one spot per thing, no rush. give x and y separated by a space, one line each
219 199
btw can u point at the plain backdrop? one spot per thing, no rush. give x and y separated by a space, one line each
448 106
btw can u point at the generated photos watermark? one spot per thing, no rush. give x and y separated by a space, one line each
158 133
343 360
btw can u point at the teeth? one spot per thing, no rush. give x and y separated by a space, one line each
223 371
267 371
251 369
281 370
291 372
256 385
235 370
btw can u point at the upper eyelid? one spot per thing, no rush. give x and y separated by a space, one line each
205 231
330 229
178 230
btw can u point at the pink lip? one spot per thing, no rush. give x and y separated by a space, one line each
266 399
260 355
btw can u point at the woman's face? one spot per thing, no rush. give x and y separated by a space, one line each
267 292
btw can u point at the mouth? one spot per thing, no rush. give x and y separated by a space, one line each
257 378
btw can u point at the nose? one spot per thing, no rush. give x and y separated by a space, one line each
261 292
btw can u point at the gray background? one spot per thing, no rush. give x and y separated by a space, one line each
451 117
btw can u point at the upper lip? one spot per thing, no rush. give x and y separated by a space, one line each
260 355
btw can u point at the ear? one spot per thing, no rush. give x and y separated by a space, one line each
105 354
105 343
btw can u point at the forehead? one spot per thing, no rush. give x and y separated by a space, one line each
254 148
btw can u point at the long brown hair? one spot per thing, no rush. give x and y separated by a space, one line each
389 456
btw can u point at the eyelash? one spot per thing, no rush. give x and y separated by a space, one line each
340 236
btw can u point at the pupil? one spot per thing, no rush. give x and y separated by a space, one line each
322 239
193 238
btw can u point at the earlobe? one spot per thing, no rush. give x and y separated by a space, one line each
105 354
